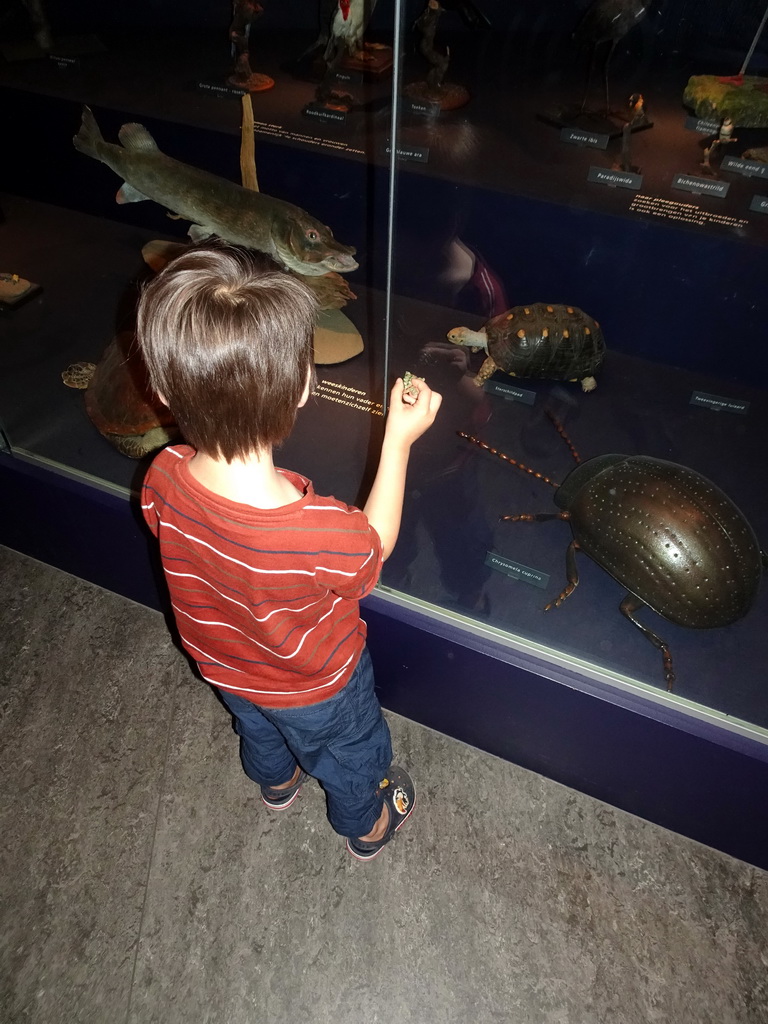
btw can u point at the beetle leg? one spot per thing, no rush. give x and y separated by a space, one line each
535 517
628 607
571 572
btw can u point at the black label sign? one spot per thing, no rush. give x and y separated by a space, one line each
349 77
759 204
517 570
419 154
421 108
511 392
218 89
697 124
320 113
749 168
615 179
64 62
700 186
717 403
578 137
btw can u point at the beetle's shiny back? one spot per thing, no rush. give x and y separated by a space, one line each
670 536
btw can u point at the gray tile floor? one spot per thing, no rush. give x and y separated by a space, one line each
143 881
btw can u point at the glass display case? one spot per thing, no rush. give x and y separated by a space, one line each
560 217
583 218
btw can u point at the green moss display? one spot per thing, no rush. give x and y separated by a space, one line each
712 99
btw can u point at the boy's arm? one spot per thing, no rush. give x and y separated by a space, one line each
408 419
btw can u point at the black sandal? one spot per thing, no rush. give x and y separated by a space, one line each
281 799
400 797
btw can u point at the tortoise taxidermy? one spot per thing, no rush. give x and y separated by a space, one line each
553 342
119 400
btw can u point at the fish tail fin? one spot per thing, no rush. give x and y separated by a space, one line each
89 137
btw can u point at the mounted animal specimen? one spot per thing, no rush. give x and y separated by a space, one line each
670 536
555 342
343 24
607 22
214 205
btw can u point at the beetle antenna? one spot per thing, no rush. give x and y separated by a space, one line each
561 431
507 458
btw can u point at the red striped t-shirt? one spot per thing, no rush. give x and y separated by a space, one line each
266 600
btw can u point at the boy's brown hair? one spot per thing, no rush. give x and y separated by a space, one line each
227 338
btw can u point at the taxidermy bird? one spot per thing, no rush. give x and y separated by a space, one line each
607 21
348 26
342 26
348 22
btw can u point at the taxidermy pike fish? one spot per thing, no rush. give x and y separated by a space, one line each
214 205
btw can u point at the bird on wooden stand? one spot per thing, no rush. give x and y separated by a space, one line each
343 25
607 21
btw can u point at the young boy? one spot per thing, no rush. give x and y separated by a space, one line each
265 576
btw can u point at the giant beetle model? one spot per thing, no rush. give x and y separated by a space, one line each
668 534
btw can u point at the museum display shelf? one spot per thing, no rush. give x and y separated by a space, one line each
519 73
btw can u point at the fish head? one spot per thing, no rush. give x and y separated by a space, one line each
308 247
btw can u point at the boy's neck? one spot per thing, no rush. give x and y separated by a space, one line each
252 480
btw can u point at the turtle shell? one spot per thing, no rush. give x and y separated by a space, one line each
119 399
546 340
